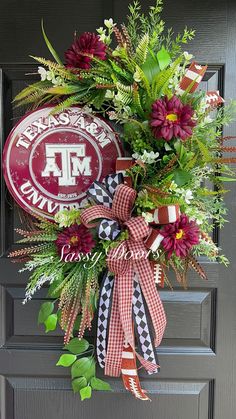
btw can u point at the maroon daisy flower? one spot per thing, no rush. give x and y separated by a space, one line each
87 43
180 236
171 118
79 239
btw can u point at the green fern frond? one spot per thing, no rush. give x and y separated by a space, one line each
56 68
204 151
163 201
35 97
144 81
66 90
161 81
126 92
70 101
142 50
121 73
207 192
137 102
102 80
99 98
32 88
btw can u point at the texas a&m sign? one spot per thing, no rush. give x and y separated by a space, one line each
51 160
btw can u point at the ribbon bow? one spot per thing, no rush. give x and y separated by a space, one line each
133 281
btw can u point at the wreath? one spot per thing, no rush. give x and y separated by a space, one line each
151 216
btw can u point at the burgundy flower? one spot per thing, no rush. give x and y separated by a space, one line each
171 118
87 43
180 236
79 239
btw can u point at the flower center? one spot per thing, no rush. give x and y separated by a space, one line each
74 240
172 117
179 234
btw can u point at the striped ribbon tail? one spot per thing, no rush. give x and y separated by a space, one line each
130 374
192 78
103 317
142 330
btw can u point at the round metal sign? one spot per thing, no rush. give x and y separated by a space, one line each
50 160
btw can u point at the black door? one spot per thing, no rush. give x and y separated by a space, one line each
198 377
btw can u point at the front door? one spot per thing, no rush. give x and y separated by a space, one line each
197 356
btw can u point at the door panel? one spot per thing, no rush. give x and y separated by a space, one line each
197 355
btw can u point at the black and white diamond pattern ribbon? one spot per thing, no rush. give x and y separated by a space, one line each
112 181
103 317
141 326
102 193
108 229
98 192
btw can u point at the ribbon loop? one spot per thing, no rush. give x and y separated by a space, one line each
138 228
123 202
108 229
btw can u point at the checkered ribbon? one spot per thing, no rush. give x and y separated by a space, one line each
103 316
142 327
102 194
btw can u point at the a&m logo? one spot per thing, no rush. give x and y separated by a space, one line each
51 160
74 163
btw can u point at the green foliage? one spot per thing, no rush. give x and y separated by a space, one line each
66 360
85 393
78 384
51 323
181 177
83 367
50 47
142 50
100 385
45 311
56 68
164 58
77 346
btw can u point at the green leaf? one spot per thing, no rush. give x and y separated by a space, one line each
81 367
91 370
78 384
225 179
181 177
98 384
66 360
50 47
65 90
86 393
45 310
150 68
77 346
52 288
163 58
51 322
